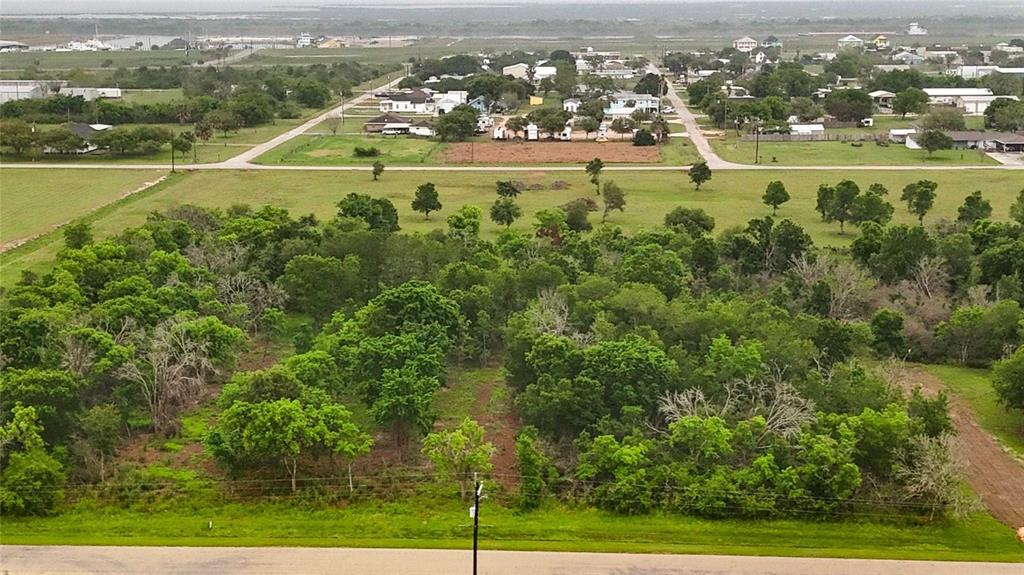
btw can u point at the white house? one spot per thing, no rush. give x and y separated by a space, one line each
532 132
745 44
543 72
760 57
423 128
518 71
972 101
411 102
771 42
915 29
447 101
571 105
304 41
882 98
974 72
622 104
806 129
900 135
908 58
614 69
850 41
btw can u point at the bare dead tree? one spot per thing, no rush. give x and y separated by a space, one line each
171 374
930 474
221 260
931 277
253 292
77 357
849 284
978 296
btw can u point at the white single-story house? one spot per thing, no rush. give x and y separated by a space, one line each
614 69
542 72
807 129
745 44
972 101
520 71
423 128
760 57
973 72
571 105
377 125
908 58
980 140
84 131
850 41
899 135
882 98
622 104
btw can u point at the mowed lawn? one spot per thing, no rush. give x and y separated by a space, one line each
732 198
975 387
34 201
842 154
437 521
330 150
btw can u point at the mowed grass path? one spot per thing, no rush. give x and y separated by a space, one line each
330 150
732 198
34 201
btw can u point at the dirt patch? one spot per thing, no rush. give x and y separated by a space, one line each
501 424
549 153
993 474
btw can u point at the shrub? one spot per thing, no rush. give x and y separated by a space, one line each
367 152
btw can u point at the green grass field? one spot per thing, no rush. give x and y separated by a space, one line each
439 521
152 96
975 387
340 151
733 198
842 154
34 201
112 59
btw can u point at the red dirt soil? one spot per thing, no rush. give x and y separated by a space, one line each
992 473
549 153
500 428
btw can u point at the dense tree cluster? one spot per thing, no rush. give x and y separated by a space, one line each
670 369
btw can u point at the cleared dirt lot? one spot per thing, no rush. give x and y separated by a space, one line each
549 153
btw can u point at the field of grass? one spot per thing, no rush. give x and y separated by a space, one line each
112 60
975 387
340 150
842 154
34 201
440 521
152 96
732 198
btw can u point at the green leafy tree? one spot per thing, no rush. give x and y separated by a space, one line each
849 105
919 197
378 169
699 173
54 395
506 189
974 208
695 221
871 206
31 480
644 137
378 213
464 224
614 198
775 195
318 285
1008 380
101 429
1017 208
457 125
588 124
426 200
505 211
404 403
934 140
535 469
459 453
836 203
594 168
78 235
887 328
910 101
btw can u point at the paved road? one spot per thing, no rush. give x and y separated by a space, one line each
29 560
715 162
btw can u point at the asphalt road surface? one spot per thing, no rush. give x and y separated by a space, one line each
25 560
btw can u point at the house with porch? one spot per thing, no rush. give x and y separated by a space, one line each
623 104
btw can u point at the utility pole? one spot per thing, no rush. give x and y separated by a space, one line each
172 151
757 144
475 512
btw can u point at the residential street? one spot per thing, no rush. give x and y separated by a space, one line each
30 560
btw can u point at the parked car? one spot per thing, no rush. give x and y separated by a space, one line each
668 110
